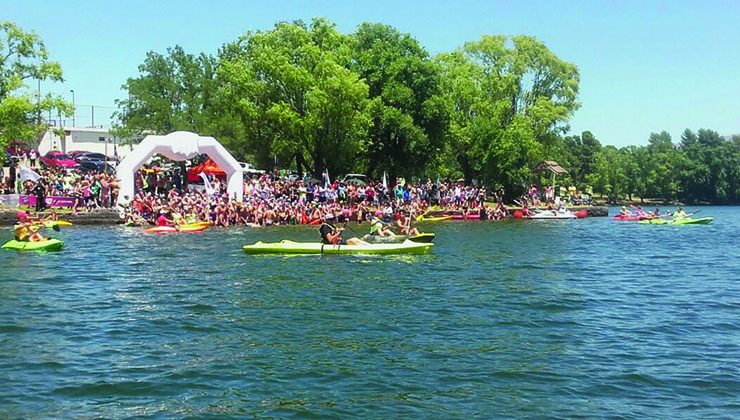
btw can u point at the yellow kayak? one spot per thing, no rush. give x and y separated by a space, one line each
196 225
423 218
201 224
52 223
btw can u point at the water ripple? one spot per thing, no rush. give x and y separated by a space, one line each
588 318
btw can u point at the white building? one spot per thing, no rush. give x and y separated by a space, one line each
98 140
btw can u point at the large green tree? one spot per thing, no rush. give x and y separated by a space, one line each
174 91
609 176
709 167
580 156
408 116
295 97
662 166
509 99
24 58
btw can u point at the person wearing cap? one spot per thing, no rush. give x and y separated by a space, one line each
624 212
332 235
377 228
26 230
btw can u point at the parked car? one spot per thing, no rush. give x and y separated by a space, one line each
57 159
96 162
249 170
75 153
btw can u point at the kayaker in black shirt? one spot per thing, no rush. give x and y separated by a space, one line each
332 235
40 192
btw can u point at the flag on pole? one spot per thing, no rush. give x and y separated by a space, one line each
207 183
327 181
385 181
27 174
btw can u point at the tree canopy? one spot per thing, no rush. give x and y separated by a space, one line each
305 96
23 57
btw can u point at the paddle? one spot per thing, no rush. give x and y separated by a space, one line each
408 225
688 215
350 228
54 227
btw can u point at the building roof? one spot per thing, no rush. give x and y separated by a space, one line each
551 165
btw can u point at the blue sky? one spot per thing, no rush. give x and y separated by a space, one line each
645 66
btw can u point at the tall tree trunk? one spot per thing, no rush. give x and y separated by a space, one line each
299 164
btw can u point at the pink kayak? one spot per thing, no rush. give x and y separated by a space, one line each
630 218
472 216
170 229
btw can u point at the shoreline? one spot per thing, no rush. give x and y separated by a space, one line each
110 217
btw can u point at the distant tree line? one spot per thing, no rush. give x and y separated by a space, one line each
703 167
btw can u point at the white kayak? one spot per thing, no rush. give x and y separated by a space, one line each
552 215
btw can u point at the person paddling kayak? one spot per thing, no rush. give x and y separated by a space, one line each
377 228
26 230
332 235
403 224
162 220
525 211
679 214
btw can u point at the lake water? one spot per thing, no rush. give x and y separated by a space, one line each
590 318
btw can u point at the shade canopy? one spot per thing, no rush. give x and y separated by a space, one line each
552 166
209 167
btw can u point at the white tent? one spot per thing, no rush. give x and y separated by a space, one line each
178 146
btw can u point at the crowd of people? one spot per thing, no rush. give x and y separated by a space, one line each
536 197
272 200
269 199
88 190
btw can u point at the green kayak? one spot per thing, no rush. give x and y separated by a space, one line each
290 247
47 245
395 239
701 221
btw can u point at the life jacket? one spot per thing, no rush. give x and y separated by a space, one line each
22 232
325 230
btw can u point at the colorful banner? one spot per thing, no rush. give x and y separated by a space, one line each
51 201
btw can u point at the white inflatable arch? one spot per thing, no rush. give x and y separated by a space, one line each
178 146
